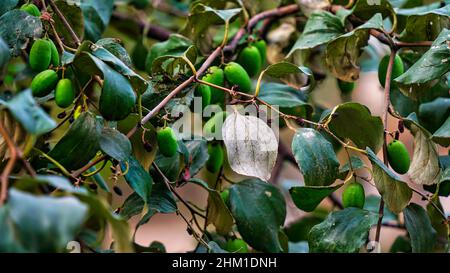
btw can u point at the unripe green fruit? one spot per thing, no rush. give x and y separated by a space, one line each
64 93
262 47
214 125
237 246
353 196
203 91
215 160
236 75
250 59
398 156
346 87
167 142
216 76
44 83
31 9
40 55
397 68
225 195
54 54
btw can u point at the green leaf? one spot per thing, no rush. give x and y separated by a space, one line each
424 23
298 231
31 116
434 113
342 53
442 135
259 210
169 166
115 144
355 122
284 96
197 154
396 193
218 213
372 204
402 244
74 17
4 53
432 65
59 182
175 45
309 197
366 9
115 47
96 17
215 248
315 157
423 235
355 163
80 144
321 28
7 5
424 168
138 178
18 28
45 224
284 69
174 63
342 231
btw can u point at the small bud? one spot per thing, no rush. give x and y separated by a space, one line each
117 190
401 126
397 135
62 115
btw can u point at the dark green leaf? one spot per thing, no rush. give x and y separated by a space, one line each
7 5
18 28
299 230
4 53
169 166
115 47
80 144
321 28
24 109
284 69
138 178
309 197
197 154
355 122
372 204
342 231
434 113
402 244
396 193
315 157
115 144
442 135
96 17
422 234
259 209
74 17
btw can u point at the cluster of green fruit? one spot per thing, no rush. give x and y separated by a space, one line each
239 73
43 53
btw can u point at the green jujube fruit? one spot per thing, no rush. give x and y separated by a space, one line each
398 156
40 55
236 246
236 75
64 93
353 196
203 91
262 48
397 68
215 75
250 60
44 82
54 54
225 196
346 87
214 125
215 160
167 142
31 9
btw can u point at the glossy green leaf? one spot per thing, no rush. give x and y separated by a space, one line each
372 204
309 197
298 231
197 154
342 231
396 193
18 28
285 69
442 135
96 17
31 116
315 157
138 178
433 114
342 53
366 9
115 47
80 144
355 122
74 17
115 144
259 210
169 166
45 224
422 234
321 28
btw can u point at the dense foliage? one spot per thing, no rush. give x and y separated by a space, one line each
92 90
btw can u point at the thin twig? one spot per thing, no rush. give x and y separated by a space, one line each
65 22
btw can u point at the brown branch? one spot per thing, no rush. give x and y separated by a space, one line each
154 31
64 21
9 166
